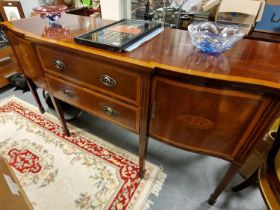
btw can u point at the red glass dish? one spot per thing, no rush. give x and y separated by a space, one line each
56 31
53 13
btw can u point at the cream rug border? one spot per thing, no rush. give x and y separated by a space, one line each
147 186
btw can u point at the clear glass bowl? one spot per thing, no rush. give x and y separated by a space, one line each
53 13
214 38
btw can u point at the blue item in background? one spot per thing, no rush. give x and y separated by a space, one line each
270 21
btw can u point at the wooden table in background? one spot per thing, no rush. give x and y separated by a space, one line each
8 65
268 37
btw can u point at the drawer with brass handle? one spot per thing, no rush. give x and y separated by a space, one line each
110 79
58 64
107 80
68 93
104 107
109 111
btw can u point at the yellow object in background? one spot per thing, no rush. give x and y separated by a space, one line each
275 124
260 153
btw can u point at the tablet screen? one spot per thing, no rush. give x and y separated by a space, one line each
119 33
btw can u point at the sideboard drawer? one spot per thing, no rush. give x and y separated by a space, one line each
202 119
101 106
104 77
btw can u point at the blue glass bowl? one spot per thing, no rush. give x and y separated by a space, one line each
214 38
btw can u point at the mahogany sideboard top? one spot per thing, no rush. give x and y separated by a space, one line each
215 105
249 61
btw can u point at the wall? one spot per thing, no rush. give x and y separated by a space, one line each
115 9
28 5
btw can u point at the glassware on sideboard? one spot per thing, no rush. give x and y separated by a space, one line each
168 12
214 38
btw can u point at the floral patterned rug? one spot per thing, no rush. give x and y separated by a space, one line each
78 172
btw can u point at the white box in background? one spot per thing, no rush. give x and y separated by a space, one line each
115 9
242 12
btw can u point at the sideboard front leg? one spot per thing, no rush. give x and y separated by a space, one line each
33 90
231 172
143 144
60 115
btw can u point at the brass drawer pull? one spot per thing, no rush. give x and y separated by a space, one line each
3 60
59 64
109 111
68 93
107 80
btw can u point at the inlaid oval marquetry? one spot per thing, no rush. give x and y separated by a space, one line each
194 121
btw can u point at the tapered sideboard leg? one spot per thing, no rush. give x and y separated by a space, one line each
33 90
143 144
60 115
231 172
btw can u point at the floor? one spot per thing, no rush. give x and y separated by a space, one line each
191 177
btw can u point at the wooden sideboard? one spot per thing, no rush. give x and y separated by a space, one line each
215 105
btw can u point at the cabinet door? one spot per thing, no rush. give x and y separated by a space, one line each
27 59
201 119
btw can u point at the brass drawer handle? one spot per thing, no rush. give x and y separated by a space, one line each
109 111
68 93
3 60
59 64
107 80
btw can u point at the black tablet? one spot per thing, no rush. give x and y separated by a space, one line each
118 35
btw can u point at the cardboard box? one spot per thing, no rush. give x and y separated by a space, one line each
210 4
12 196
241 12
270 21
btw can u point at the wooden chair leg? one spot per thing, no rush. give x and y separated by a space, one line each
60 115
231 172
247 182
143 144
33 90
